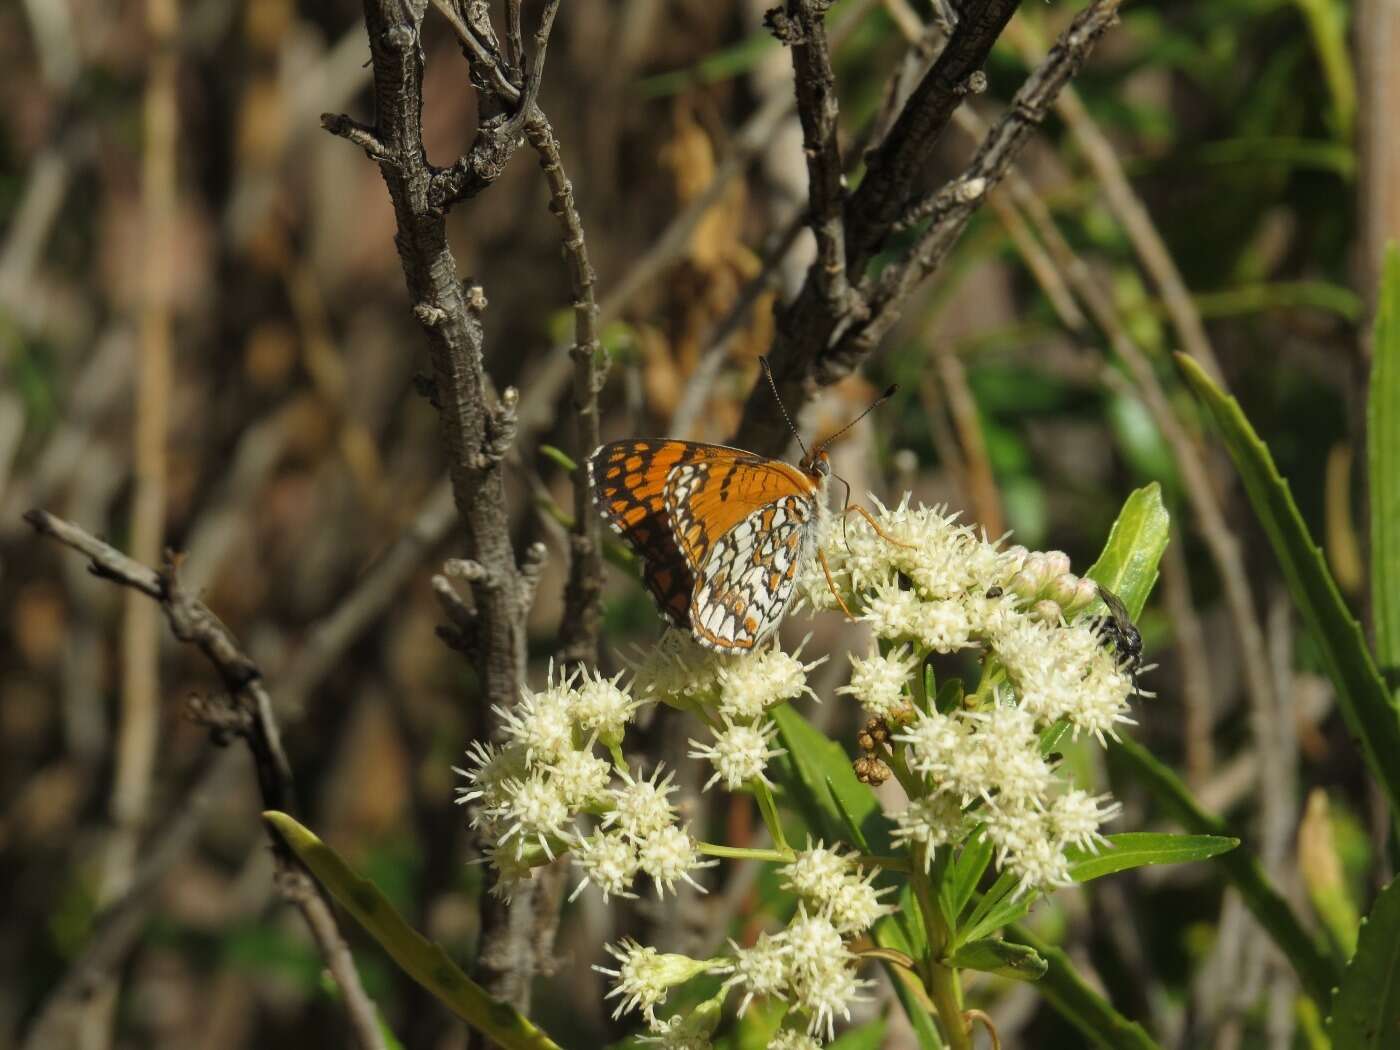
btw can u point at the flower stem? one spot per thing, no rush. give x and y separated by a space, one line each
769 808
714 849
941 981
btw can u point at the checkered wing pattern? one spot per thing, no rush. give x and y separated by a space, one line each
629 489
720 531
744 586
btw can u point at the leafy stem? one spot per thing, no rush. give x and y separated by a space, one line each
940 980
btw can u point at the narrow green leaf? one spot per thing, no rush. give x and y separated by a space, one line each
1366 1008
1366 704
559 456
961 883
1003 958
1316 971
1128 564
996 908
1383 458
1138 849
824 773
418 957
1076 1002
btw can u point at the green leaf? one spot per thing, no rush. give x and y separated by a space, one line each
1003 958
1366 1008
824 776
1316 971
1086 1009
867 1037
1139 849
1365 702
1128 564
559 456
962 880
1383 458
1124 851
418 957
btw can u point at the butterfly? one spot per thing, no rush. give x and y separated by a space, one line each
722 533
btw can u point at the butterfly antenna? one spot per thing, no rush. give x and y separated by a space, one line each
768 371
889 393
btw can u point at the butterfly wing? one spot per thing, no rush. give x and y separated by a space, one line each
746 581
707 498
629 489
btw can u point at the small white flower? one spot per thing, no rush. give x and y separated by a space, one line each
540 723
943 625
1065 672
1005 760
608 861
601 707
824 983
934 740
878 681
750 685
833 884
533 808
678 1033
1027 847
640 807
739 754
644 976
892 611
581 778
668 854
1076 815
937 820
676 671
491 766
762 969
512 871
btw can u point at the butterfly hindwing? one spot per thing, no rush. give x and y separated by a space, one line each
746 582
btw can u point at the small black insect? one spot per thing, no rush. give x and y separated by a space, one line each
1118 629
994 592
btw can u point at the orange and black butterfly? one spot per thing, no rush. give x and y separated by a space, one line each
721 532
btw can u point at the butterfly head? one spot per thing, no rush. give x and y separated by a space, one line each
816 463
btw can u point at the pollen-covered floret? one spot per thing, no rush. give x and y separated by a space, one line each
608 861
668 854
760 970
640 806
878 680
601 707
750 685
676 671
937 820
832 884
644 976
739 753
540 723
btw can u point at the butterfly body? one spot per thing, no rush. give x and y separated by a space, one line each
722 533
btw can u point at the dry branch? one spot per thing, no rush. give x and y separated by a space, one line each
192 622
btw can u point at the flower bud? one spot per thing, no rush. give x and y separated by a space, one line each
1046 611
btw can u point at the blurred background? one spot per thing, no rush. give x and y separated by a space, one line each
206 344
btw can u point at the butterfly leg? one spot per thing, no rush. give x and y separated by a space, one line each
858 509
826 571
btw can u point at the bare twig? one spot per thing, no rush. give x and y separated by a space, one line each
801 24
192 622
582 619
815 348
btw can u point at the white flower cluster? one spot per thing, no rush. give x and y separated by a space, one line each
926 585
529 793
808 965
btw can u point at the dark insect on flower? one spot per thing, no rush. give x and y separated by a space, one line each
995 592
1118 629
